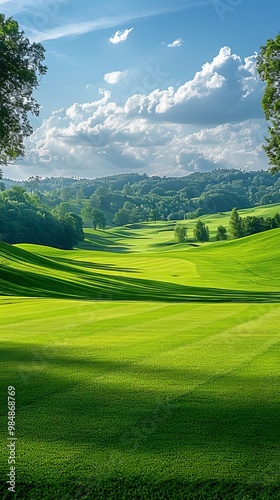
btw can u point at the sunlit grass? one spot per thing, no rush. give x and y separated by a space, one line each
166 389
150 390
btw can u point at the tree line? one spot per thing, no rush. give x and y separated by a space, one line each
245 226
131 198
239 227
23 219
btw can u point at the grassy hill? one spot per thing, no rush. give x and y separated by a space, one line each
245 269
213 221
144 369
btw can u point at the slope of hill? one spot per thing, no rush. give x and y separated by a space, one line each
137 374
245 269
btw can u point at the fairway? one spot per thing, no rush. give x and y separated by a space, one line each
145 369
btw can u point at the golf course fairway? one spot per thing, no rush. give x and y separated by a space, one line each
142 374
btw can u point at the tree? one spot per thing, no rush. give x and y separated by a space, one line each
235 224
23 221
65 193
173 216
80 194
86 214
126 190
101 191
201 232
270 223
121 217
61 210
277 219
73 225
180 233
17 193
33 183
253 225
20 70
95 201
268 67
128 205
221 233
154 214
134 215
98 219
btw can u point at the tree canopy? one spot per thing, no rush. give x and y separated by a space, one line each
20 71
24 220
180 233
193 195
235 224
201 232
221 233
268 67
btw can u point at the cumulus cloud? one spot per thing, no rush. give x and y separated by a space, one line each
115 77
120 36
225 146
224 90
211 121
177 43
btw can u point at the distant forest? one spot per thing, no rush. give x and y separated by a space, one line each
140 197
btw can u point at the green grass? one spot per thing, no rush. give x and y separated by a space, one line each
143 370
237 270
215 220
152 391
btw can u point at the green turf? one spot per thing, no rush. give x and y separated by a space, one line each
154 391
236 270
168 388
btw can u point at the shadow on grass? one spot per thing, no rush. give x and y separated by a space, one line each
94 413
202 416
97 286
102 243
164 244
94 265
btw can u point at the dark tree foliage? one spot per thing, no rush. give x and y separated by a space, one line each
235 224
221 233
20 70
254 225
180 233
251 224
22 221
121 217
268 67
201 232
151 199
98 219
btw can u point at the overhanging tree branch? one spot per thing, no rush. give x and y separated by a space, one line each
21 69
268 67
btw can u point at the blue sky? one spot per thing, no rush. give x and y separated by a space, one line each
159 86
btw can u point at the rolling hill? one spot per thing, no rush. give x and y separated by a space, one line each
142 368
245 269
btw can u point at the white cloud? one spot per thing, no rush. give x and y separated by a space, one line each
120 36
224 90
115 77
73 29
101 140
177 43
212 121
